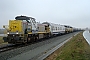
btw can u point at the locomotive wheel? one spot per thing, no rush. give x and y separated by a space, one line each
28 40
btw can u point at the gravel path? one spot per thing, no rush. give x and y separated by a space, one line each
35 49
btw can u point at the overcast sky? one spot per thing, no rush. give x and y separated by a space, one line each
68 12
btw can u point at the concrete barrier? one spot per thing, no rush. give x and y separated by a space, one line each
86 35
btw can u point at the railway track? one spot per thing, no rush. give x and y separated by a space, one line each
13 46
7 47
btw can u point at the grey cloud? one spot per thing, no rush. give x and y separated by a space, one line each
70 12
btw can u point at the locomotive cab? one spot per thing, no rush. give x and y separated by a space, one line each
19 29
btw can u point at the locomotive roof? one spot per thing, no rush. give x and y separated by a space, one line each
46 23
23 18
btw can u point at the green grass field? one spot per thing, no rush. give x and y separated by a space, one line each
75 49
1 40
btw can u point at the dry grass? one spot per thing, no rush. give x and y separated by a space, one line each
75 49
1 40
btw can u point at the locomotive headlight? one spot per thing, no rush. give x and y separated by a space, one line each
16 32
7 32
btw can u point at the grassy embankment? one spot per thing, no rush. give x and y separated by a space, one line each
2 41
75 49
